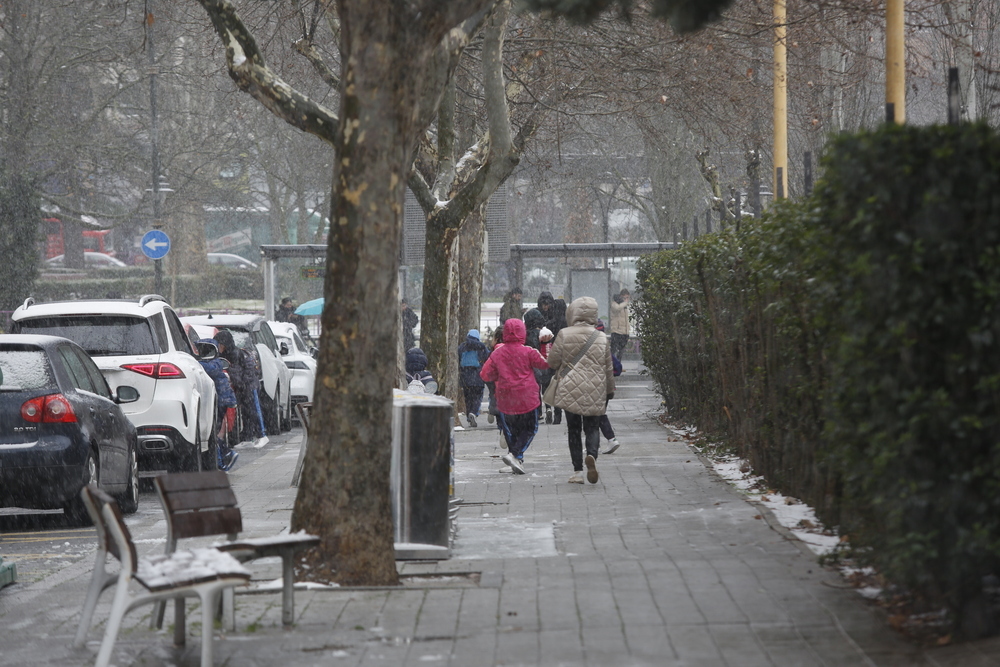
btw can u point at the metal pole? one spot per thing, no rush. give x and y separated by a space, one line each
154 136
954 97
895 63
780 100
807 172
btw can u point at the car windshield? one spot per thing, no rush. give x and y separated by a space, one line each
24 369
242 338
99 335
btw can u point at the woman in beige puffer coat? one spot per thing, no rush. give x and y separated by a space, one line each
584 387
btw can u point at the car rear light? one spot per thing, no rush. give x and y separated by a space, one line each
158 371
51 409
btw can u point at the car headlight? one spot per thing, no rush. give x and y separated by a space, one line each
297 365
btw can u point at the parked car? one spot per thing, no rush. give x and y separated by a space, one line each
230 260
252 333
142 344
61 428
91 260
300 360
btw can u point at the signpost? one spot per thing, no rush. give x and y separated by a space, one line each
155 245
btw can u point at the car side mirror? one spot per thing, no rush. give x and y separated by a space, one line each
207 352
284 349
314 352
126 394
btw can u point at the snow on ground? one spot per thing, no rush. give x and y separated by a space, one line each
791 513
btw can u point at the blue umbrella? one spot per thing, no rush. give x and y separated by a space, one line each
314 307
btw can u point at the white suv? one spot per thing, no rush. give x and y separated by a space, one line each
141 344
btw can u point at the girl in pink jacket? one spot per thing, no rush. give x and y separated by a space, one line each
511 368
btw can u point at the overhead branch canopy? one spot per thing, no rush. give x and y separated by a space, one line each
252 75
683 15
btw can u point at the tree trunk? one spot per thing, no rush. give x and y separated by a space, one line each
442 248
470 281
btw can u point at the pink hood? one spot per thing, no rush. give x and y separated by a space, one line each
511 367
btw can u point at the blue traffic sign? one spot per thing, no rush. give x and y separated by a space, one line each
155 244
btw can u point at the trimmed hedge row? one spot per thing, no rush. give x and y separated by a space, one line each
215 283
849 347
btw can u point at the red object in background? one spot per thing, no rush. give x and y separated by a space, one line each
94 240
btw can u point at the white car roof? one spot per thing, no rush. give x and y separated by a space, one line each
142 307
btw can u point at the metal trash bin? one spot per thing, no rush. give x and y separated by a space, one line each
420 479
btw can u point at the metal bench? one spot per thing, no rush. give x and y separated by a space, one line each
202 504
201 573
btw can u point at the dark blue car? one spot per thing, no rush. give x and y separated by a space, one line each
61 428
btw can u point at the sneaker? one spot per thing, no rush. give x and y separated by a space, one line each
591 464
260 442
472 419
514 464
231 457
576 477
613 446
490 418
548 415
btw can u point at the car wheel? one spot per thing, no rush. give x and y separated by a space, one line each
210 458
129 501
75 509
272 413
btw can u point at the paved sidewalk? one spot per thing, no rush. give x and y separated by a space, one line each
659 563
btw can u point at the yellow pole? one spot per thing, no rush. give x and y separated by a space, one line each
895 63
780 103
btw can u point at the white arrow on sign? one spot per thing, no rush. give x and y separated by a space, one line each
153 244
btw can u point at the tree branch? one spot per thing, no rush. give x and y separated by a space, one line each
247 68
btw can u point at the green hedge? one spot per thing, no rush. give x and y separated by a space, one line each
848 346
216 283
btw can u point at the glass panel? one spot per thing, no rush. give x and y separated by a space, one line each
24 369
77 371
99 335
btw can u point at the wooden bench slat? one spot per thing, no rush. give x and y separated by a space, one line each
226 521
179 501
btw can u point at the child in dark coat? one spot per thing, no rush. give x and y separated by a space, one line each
606 429
225 404
472 354
245 379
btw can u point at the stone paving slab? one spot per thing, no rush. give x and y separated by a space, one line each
660 563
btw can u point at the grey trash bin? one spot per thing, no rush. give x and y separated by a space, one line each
420 477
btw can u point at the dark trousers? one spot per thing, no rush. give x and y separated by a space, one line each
590 425
606 429
473 399
618 344
558 411
249 416
518 431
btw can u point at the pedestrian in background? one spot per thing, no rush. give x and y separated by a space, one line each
225 404
472 354
511 307
606 429
410 320
492 410
511 366
581 358
619 322
418 378
244 376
